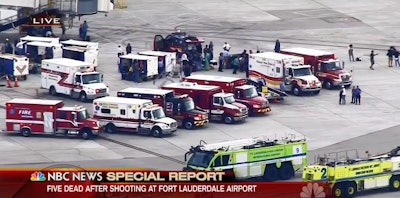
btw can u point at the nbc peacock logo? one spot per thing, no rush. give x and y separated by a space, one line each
312 190
38 176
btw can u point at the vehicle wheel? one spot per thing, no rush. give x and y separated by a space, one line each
270 173
25 77
26 132
83 97
188 124
286 171
251 111
110 128
351 190
296 91
337 191
86 134
394 183
52 91
156 132
328 85
228 120
317 92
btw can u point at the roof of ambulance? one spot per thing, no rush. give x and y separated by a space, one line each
34 101
192 86
273 55
112 99
66 61
79 43
156 53
138 57
145 91
306 51
216 78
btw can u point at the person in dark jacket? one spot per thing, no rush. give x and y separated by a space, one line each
396 58
235 64
277 48
372 59
390 54
221 62
128 48
358 95
353 95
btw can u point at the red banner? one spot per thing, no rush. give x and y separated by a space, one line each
65 183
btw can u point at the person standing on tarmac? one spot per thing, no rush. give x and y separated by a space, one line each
372 59
277 48
390 54
342 96
221 60
358 95
396 58
235 64
351 53
128 48
353 95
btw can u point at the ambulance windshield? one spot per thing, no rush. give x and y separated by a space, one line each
302 71
83 115
158 113
91 78
189 105
250 92
229 99
201 159
331 66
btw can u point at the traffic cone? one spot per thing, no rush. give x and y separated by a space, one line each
8 82
16 82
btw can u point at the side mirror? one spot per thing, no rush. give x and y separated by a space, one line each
342 64
74 116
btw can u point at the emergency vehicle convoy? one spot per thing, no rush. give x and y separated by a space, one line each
81 50
133 115
284 72
219 105
243 93
250 158
14 65
76 79
179 107
168 58
348 177
48 117
325 66
144 67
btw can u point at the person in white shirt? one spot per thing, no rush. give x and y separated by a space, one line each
20 48
342 96
226 47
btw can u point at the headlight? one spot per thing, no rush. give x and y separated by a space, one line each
237 114
337 79
197 118
165 126
256 106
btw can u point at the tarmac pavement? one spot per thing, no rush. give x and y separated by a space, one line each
319 24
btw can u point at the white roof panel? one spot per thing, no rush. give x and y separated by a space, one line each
145 91
188 85
305 51
44 44
138 57
112 99
11 56
275 56
79 43
34 101
67 62
155 53
75 48
213 78
41 39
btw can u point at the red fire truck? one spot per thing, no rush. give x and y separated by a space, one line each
179 107
245 94
219 105
325 66
33 116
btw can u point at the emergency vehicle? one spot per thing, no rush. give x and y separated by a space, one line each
148 65
37 51
283 72
268 159
178 42
81 50
347 177
73 78
48 117
133 115
245 94
329 70
179 107
169 58
14 65
219 105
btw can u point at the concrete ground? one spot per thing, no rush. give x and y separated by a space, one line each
319 24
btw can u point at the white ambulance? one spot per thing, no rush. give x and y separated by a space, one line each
133 115
81 50
73 78
283 72
169 58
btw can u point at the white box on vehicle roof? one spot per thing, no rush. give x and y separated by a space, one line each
213 78
145 91
34 101
305 51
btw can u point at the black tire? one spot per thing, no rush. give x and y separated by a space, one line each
296 90
286 171
251 111
82 97
337 190
25 77
52 91
86 134
110 128
228 120
270 173
188 124
26 132
316 92
156 132
394 183
328 85
351 190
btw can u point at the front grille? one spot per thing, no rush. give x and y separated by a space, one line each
244 111
174 125
345 77
265 104
102 90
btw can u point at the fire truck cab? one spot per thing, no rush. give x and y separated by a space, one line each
245 94
179 107
50 117
219 105
329 70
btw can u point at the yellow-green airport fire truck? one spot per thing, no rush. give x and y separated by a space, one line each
347 177
252 158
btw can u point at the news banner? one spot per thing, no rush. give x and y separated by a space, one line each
144 183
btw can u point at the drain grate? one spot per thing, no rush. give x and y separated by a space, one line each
340 19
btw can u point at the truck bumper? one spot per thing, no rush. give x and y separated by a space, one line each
310 89
96 132
169 131
347 83
240 118
92 97
200 123
263 110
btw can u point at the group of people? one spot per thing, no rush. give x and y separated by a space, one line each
355 95
392 53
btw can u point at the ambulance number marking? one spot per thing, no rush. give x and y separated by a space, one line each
323 171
